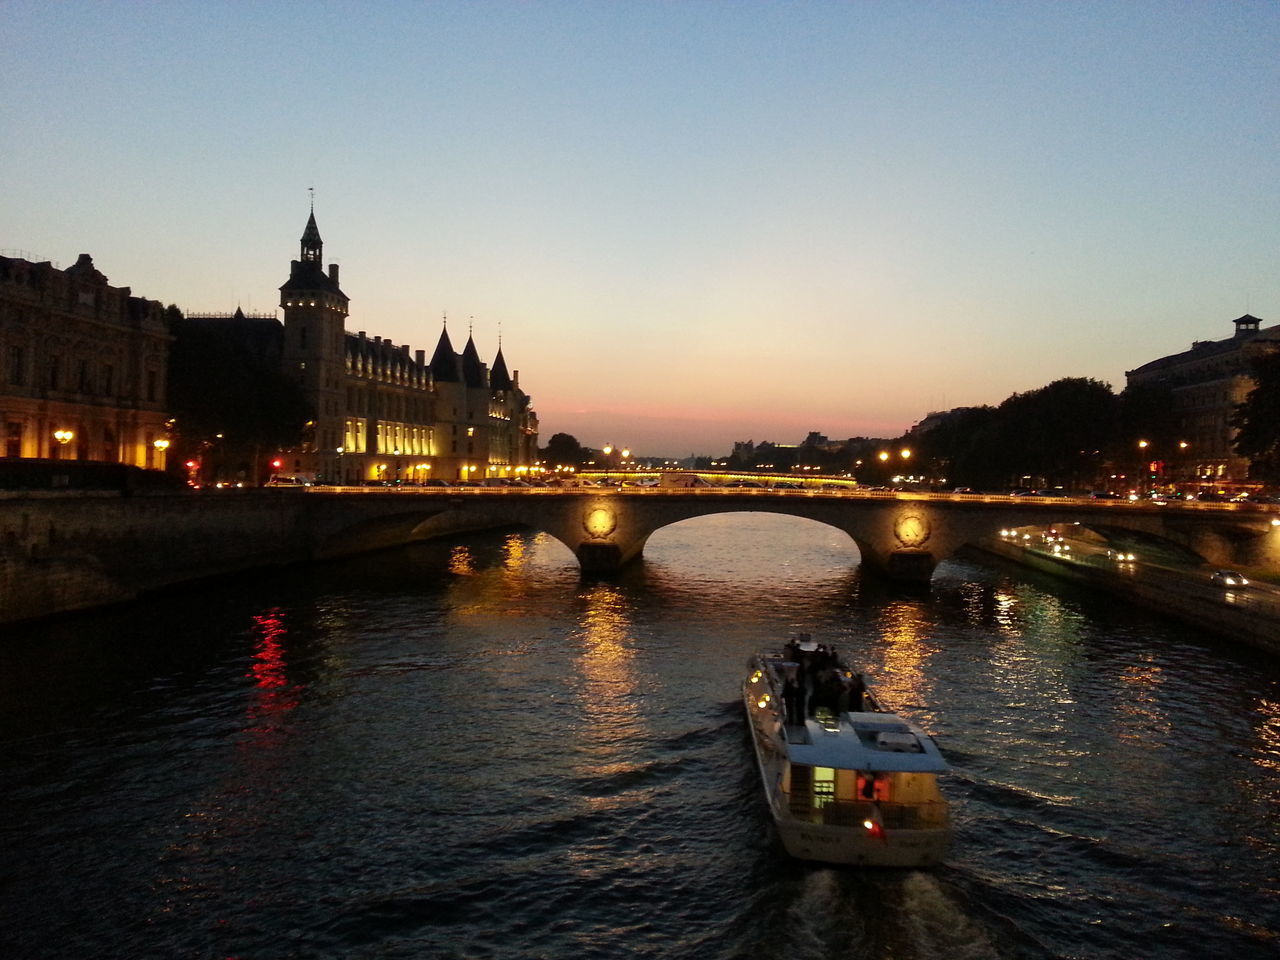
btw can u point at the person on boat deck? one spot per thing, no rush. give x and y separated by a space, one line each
856 687
792 650
793 699
827 686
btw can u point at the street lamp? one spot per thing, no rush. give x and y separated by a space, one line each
63 437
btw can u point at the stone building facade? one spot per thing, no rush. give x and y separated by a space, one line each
1206 384
388 413
84 374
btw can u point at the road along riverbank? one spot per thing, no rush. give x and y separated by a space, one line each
1233 615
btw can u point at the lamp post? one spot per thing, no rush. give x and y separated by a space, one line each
63 437
161 446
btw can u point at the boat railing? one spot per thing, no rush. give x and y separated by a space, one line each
925 815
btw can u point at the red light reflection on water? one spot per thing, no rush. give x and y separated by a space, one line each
275 695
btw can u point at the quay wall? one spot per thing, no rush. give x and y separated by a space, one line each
70 550
1244 624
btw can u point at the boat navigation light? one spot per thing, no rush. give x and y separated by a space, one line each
869 824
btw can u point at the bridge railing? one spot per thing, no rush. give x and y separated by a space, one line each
854 493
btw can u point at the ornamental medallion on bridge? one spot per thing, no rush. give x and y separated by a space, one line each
599 523
912 530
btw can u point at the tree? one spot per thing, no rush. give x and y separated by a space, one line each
1257 420
562 450
1053 435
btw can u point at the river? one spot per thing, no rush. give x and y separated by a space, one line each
465 750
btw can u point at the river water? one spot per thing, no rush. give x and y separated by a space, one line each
464 750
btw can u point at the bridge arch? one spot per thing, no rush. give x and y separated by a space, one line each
805 528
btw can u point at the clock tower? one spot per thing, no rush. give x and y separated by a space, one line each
315 312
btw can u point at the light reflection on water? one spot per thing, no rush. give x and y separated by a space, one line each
467 750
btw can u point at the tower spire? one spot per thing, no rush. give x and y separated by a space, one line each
312 245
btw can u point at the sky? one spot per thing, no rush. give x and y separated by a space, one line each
687 223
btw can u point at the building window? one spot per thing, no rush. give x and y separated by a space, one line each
18 366
108 380
82 376
55 364
153 382
13 439
108 444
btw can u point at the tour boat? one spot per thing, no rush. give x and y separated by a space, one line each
846 782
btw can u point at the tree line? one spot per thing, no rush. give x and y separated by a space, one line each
1076 433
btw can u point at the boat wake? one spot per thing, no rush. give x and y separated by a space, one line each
853 915
935 925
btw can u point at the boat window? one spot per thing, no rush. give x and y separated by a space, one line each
872 787
824 786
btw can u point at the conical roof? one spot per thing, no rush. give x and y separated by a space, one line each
444 362
499 379
472 368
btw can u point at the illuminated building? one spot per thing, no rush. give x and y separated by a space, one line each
384 413
1206 384
84 366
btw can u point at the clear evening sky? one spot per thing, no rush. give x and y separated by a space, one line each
694 222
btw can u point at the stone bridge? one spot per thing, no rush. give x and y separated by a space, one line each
75 550
903 535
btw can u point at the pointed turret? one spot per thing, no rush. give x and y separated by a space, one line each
307 274
499 379
444 362
312 245
472 368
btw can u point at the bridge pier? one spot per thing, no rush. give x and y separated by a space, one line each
912 566
594 557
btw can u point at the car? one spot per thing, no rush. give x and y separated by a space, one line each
1228 578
